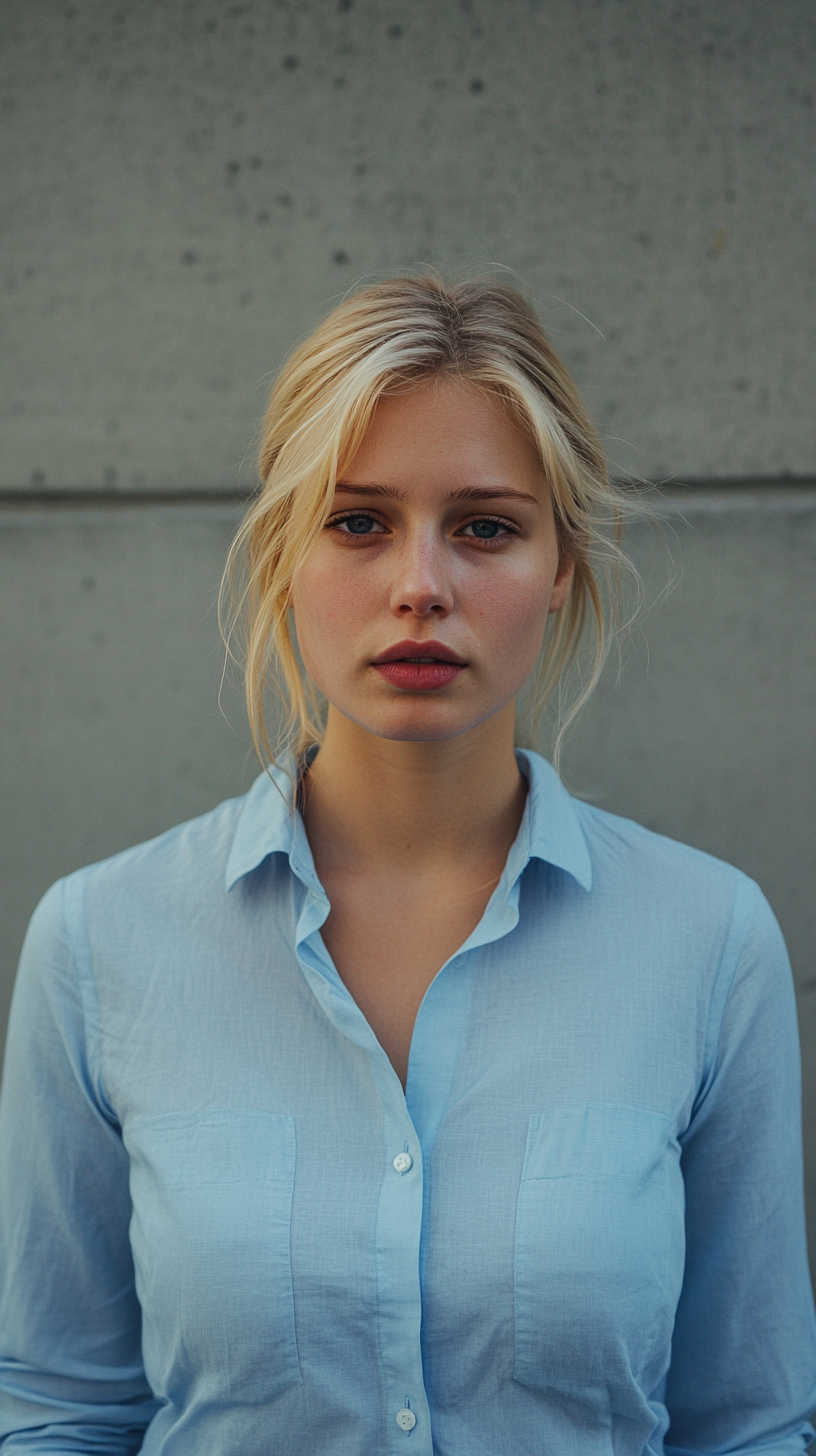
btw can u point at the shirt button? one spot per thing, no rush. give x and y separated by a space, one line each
406 1420
402 1162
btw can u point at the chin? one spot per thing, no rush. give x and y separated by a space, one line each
420 734
423 722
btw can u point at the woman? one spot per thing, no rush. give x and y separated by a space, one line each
406 1099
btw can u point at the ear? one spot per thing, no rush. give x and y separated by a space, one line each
562 585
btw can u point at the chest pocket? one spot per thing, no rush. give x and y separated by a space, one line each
210 1232
599 1253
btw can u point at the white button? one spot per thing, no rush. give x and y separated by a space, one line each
402 1162
406 1420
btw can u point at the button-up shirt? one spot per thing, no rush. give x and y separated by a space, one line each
579 1230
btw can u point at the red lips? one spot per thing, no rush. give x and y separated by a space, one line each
419 666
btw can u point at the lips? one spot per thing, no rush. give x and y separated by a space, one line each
419 666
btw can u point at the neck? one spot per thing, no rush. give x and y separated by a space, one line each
372 801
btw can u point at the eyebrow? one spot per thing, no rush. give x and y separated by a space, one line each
467 492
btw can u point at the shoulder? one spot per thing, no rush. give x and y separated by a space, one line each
616 842
197 849
685 887
173 871
151 914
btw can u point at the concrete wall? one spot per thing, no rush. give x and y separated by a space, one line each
189 182
187 187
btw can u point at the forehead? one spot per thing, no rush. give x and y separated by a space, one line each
448 432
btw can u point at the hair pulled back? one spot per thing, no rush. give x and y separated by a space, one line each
384 339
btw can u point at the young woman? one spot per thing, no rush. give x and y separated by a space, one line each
407 1104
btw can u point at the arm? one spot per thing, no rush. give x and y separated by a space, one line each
743 1371
71 1376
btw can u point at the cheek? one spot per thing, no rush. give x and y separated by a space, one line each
331 604
510 615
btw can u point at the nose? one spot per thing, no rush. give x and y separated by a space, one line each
421 585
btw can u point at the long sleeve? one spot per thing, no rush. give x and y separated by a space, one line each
71 1375
741 1377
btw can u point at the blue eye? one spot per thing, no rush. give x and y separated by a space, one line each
486 530
358 525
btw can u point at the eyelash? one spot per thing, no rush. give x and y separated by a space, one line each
509 528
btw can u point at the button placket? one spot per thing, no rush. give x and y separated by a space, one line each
399 1226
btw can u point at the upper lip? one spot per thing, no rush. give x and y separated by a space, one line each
410 649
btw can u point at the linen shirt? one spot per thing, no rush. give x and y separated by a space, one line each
580 1229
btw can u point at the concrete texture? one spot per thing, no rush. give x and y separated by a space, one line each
112 731
189 183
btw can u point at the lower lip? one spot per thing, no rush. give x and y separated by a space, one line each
419 676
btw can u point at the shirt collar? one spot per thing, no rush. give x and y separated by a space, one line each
553 825
268 824
550 829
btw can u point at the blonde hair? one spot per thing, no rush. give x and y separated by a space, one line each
388 337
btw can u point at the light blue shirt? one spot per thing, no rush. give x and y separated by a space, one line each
227 1232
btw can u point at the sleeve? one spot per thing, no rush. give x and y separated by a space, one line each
743 1369
71 1374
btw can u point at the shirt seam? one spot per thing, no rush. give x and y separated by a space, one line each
739 925
79 952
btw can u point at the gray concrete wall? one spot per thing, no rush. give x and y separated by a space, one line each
189 184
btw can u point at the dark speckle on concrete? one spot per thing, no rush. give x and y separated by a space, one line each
210 26
284 199
262 217
109 475
188 257
344 4
88 583
255 163
338 82
233 168
476 85
361 169
340 257
395 31
291 63
38 477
